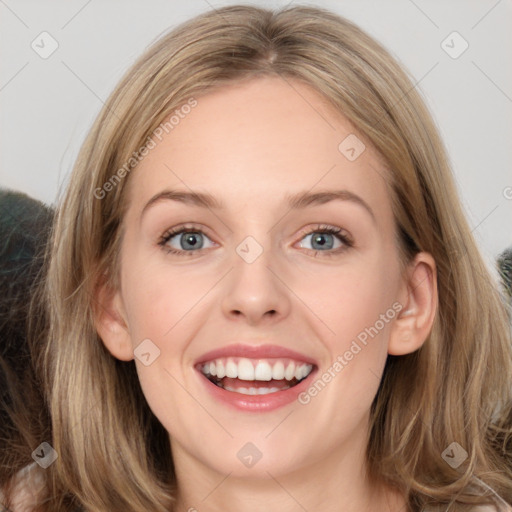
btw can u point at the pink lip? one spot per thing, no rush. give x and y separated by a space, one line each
255 403
254 352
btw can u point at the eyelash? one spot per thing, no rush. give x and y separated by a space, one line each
321 228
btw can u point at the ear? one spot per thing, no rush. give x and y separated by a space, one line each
110 321
419 299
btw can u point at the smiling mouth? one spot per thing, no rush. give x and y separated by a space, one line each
255 376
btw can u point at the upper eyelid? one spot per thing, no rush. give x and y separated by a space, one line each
184 229
325 227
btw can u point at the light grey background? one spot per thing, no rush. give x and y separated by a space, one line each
47 105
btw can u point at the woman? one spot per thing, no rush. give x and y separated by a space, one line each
262 288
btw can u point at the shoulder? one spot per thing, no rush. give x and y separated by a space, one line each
28 484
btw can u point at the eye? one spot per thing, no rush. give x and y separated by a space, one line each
184 240
191 240
326 239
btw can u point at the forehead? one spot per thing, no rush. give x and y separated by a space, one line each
258 141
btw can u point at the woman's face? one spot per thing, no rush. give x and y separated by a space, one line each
258 296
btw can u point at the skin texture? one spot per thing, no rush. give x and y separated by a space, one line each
250 145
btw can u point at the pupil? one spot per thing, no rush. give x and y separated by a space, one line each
321 240
189 241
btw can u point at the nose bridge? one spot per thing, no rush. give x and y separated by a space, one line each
252 261
254 289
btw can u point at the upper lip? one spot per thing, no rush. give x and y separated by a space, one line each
254 352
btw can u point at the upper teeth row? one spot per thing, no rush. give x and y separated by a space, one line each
248 369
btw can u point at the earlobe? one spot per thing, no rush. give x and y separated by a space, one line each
414 323
110 323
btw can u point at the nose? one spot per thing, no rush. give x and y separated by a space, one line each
256 292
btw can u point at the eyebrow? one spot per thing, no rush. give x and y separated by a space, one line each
295 201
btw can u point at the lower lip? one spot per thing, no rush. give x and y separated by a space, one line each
257 403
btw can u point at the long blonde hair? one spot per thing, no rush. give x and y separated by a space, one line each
113 453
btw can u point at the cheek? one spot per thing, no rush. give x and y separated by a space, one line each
161 304
356 304
158 297
350 299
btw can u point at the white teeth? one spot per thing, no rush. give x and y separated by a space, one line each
304 370
278 371
263 372
221 371
266 391
245 369
231 369
254 391
289 374
260 370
